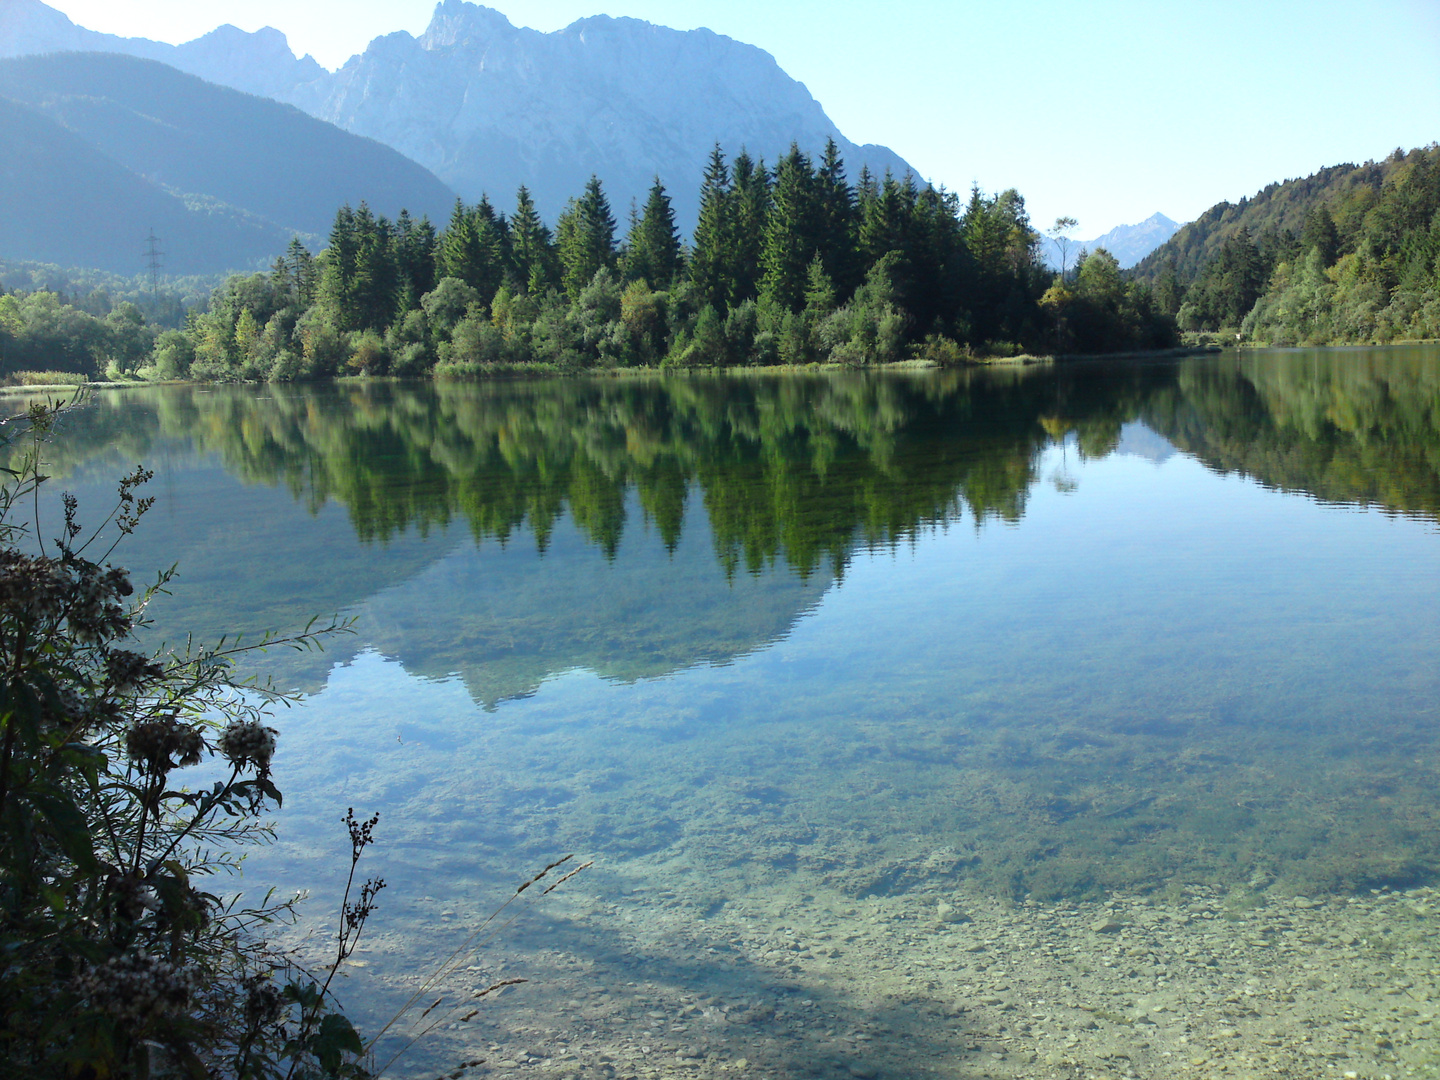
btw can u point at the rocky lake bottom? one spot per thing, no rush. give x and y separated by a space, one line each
787 987
757 910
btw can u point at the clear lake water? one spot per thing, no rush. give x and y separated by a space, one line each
1068 721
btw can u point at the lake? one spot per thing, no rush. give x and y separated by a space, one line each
1034 721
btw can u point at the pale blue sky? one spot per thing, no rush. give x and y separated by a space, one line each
1106 110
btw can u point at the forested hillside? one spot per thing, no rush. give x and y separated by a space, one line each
1350 254
63 201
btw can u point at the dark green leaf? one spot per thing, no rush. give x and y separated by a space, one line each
67 824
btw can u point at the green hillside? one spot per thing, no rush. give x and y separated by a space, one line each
1350 254
1347 190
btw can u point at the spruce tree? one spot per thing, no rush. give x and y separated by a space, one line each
535 267
839 224
293 276
376 279
338 277
586 235
932 282
414 252
750 196
459 254
653 247
791 232
492 234
884 223
709 261
1243 276
1319 232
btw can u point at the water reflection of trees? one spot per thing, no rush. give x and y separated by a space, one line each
1358 426
796 468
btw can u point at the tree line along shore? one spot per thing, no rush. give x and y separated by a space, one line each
790 264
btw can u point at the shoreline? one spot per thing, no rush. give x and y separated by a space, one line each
523 371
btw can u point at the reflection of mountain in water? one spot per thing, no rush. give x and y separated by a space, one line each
634 526
1137 440
504 618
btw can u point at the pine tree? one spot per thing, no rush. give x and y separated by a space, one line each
791 232
653 247
586 235
709 262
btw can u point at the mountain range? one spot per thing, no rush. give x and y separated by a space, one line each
1128 243
488 106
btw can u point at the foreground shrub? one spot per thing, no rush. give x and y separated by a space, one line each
117 957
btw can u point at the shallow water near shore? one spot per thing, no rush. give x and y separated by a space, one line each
1047 722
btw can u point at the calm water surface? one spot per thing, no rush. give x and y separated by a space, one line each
961 724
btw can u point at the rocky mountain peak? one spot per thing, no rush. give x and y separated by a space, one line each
457 23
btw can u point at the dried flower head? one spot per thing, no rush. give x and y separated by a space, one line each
264 1004
95 613
130 671
248 742
136 986
164 744
87 596
132 895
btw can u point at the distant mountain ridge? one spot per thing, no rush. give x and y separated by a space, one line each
101 148
259 63
1128 243
488 106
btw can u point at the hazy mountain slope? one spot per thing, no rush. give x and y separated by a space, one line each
1128 243
258 63
176 134
1348 191
1131 243
487 106
63 201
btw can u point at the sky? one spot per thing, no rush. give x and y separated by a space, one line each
1102 110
